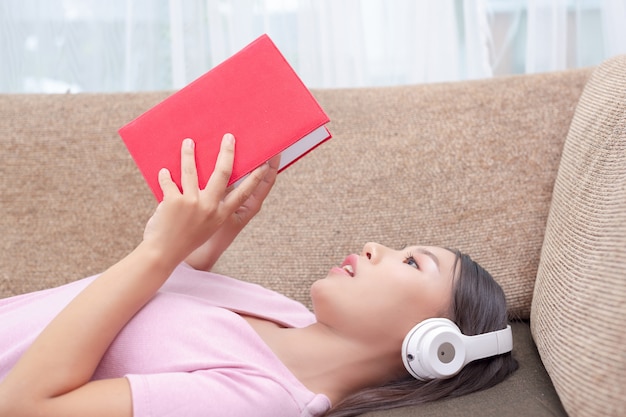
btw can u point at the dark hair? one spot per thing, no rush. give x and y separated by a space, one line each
478 306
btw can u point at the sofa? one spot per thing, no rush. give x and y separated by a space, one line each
525 173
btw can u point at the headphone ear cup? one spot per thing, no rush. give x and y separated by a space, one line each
434 349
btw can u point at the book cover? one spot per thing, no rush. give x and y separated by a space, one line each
254 94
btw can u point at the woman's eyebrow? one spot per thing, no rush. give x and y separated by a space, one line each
430 254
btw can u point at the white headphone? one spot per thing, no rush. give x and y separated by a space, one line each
436 348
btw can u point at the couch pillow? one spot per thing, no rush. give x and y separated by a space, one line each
579 302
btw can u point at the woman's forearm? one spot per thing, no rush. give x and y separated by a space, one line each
66 354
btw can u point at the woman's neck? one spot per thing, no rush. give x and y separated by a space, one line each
329 363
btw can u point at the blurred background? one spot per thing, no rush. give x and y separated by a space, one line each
61 46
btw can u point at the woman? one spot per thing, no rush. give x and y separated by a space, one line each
155 336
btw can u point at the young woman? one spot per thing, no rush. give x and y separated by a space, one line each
158 335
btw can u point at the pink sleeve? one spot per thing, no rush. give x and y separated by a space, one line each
219 393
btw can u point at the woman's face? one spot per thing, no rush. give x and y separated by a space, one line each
383 293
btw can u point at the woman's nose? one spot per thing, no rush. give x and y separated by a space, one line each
373 251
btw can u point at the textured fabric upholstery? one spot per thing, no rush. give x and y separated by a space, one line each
579 302
467 165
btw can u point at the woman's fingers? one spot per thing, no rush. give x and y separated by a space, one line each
263 189
218 181
237 197
189 173
257 183
166 183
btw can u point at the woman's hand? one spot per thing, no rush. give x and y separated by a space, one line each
185 220
204 257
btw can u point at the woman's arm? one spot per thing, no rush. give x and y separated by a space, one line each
53 377
207 255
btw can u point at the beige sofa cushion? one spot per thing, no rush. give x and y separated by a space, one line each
579 303
468 165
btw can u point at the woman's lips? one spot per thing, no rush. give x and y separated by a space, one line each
340 271
349 264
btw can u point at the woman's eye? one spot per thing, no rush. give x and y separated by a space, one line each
410 260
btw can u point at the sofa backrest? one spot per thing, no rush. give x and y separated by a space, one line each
468 165
579 302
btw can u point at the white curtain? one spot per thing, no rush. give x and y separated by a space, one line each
135 45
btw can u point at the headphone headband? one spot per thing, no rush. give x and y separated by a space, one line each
488 344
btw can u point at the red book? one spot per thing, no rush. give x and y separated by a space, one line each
255 95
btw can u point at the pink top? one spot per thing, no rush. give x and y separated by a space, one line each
187 352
